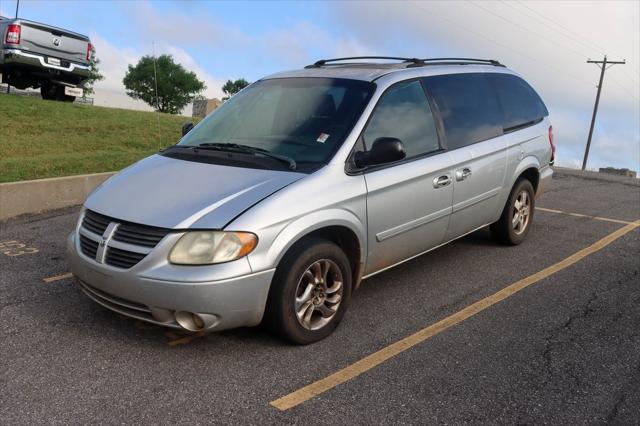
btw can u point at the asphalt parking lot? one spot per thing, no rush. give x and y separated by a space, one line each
545 332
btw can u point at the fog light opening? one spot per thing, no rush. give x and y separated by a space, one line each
194 321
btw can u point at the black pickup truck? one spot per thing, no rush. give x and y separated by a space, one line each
42 56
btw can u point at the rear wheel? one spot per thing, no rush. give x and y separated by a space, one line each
310 292
55 92
514 223
48 92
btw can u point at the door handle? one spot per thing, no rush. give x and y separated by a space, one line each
462 174
441 181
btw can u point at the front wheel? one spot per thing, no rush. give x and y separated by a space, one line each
310 292
514 223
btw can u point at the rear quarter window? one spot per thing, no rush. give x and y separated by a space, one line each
468 106
521 104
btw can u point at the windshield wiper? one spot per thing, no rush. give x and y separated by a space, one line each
249 150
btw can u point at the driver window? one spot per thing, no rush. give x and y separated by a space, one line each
403 112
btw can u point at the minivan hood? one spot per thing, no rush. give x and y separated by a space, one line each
171 193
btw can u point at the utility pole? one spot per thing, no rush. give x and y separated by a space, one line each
603 67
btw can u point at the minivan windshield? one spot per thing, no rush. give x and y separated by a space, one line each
304 119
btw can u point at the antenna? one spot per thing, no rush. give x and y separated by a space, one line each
155 77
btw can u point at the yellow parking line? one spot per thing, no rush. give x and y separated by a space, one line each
604 219
367 363
58 277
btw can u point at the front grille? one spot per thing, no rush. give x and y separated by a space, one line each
95 222
123 258
139 235
88 246
143 236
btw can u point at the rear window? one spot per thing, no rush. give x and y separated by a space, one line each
521 104
469 108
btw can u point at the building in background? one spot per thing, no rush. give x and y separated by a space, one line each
204 107
621 172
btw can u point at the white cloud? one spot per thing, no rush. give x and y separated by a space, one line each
198 27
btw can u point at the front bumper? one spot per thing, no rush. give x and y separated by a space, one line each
229 303
19 57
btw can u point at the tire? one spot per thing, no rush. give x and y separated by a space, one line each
520 207
294 286
55 92
48 92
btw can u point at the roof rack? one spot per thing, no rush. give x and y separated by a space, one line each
461 61
411 62
322 62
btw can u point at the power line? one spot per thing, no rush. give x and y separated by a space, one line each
554 42
578 37
603 67
578 40
517 52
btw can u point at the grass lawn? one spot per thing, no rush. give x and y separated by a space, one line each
41 139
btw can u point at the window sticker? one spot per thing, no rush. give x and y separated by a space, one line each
322 138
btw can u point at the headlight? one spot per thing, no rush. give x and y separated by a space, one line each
208 247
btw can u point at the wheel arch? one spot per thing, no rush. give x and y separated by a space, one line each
338 226
528 168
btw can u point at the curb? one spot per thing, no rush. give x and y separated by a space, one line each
36 196
563 171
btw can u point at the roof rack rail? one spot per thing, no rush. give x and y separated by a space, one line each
462 61
412 62
322 62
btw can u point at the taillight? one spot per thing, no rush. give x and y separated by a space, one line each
13 34
89 50
553 145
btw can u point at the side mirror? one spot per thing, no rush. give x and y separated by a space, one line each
186 128
384 150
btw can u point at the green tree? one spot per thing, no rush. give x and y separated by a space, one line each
230 88
94 74
176 86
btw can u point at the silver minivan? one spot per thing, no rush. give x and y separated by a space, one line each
274 208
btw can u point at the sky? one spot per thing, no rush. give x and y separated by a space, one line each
547 42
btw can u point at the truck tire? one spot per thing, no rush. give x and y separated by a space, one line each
48 92
55 92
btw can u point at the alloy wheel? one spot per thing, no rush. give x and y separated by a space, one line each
521 212
318 294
